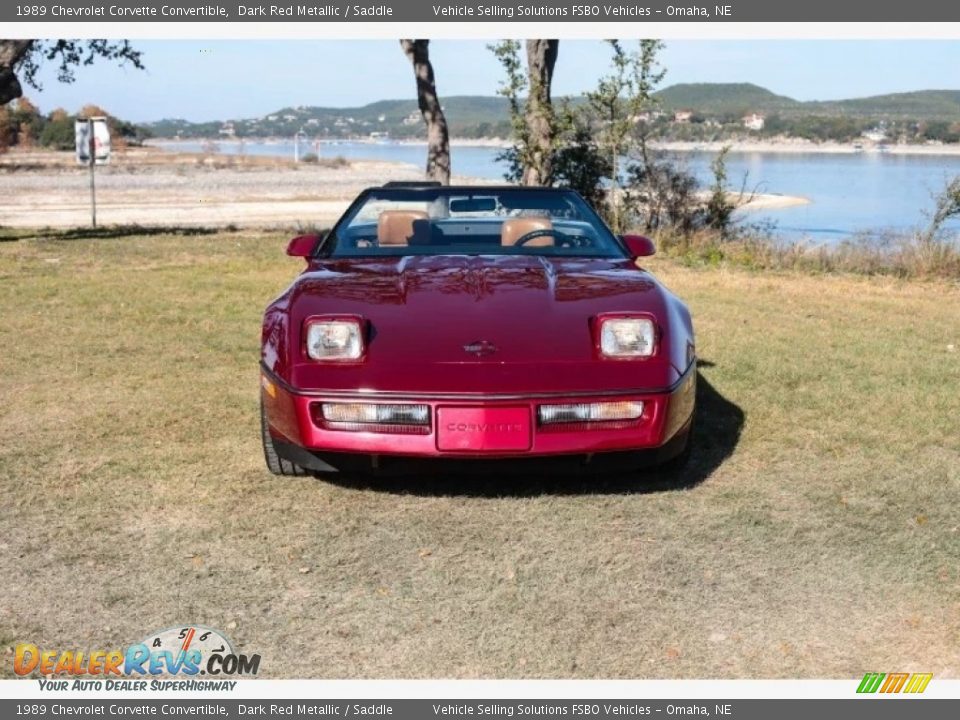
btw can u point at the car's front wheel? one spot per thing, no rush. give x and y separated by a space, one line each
276 464
683 449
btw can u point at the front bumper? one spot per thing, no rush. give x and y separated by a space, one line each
300 436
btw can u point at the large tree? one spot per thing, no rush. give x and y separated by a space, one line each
20 60
541 120
617 105
438 136
533 121
12 53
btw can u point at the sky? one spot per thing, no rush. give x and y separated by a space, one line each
216 80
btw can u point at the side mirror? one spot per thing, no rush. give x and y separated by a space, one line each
302 245
639 246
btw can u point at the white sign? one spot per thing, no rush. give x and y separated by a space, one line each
101 140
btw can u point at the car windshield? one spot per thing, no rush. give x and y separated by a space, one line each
393 221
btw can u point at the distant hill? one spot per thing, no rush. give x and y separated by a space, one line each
920 105
477 116
467 116
723 98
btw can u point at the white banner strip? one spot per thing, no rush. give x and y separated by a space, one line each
29 689
488 31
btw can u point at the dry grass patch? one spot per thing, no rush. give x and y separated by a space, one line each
823 540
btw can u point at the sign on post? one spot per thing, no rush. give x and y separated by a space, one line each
93 148
95 129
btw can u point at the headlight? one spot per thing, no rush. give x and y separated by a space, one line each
340 339
627 337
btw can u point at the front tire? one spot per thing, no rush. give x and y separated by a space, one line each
276 464
678 463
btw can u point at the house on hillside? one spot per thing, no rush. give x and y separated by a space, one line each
754 121
875 135
647 116
683 116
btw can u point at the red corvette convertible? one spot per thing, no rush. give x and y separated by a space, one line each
473 322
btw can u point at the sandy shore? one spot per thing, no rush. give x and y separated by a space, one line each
768 201
779 145
153 187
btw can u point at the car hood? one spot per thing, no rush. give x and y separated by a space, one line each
479 324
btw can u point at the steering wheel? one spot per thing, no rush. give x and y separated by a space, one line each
560 237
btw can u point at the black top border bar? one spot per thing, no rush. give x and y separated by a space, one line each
467 11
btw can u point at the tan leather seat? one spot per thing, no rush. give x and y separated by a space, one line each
397 227
515 228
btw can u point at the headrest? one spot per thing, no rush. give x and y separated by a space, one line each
396 227
515 228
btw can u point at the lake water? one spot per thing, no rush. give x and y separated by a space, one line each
866 191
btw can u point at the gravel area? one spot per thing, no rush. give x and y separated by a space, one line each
152 188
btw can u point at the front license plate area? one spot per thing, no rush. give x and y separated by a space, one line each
483 429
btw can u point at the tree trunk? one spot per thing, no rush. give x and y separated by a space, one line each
11 53
541 125
438 137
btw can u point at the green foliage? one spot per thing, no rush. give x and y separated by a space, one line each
819 128
70 54
8 130
715 99
58 134
133 133
613 109
536 128
941 131
592 137
734 99
661 196
719 208
22 122
903 255
918 104
931 252
519 155
947 207
582 166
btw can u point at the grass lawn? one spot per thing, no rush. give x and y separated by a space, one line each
816 535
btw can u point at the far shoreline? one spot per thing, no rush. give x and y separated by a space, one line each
151 186
791 146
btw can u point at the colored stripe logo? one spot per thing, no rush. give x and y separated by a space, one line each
894 683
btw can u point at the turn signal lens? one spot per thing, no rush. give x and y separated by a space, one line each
590 412
375 413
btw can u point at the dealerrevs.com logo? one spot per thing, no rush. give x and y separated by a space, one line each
185 651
